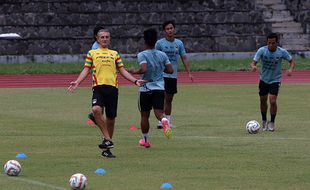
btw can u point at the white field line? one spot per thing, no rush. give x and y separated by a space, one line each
33 182
242 138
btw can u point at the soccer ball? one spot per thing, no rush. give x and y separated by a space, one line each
78 181
12 168
252 127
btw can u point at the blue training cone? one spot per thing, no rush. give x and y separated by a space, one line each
21 155
166 186
100 171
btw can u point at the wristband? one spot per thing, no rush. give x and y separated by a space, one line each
135 82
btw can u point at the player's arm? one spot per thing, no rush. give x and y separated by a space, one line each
81 77
142 69
253 66
292 67
256 58
129 77
168 68
186 64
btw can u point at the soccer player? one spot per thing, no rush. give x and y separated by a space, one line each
175 50
270 77
152 65
104 63
96 45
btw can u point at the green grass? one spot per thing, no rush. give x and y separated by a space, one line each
210 148
206 65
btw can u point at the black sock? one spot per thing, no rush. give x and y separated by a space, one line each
273 117
264 116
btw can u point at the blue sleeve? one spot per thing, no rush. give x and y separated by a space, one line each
157 46
286 55
95 45
166 59
141 59
258 54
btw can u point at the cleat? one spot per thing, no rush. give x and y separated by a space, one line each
92 117
271 126
106 144
159 125
265 125
145 144
108 154
167 129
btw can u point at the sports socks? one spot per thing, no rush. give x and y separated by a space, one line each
273 117
146 137
264 116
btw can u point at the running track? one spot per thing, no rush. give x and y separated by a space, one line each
213 78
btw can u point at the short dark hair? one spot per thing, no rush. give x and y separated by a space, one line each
273 35
168 22
96 30
150 37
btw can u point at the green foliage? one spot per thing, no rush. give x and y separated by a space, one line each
210 148
205 65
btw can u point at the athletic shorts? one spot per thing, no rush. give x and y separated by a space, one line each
170 85
151 99
265 89
106 96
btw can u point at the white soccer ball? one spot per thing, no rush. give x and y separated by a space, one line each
78 181
12 168
252 127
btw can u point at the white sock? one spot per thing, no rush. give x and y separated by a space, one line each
168 117
146 137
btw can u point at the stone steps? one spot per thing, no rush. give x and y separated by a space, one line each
291 33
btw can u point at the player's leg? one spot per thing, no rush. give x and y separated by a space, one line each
263 94
145 106
107 145
273 94
170 91
158 105
111 100
101 123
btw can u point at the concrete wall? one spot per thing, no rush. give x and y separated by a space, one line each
300 9
51 27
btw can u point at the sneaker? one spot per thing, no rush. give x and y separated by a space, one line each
167 128
265 125
145 144
92 117
106 144
159 125
108 154
271 126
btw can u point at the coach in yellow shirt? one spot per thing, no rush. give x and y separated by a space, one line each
104 64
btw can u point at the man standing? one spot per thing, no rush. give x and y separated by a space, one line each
270 77
152 65
104 63
174 49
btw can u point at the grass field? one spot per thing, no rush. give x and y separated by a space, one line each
209 150
204 65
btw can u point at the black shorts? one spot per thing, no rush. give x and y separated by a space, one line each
152 99
265 89
106 96
170 85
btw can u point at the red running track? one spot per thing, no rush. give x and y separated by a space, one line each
214 78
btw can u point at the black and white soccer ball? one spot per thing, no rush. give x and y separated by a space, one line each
12 168
78 181
252 127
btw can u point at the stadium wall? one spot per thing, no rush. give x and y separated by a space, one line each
51 28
